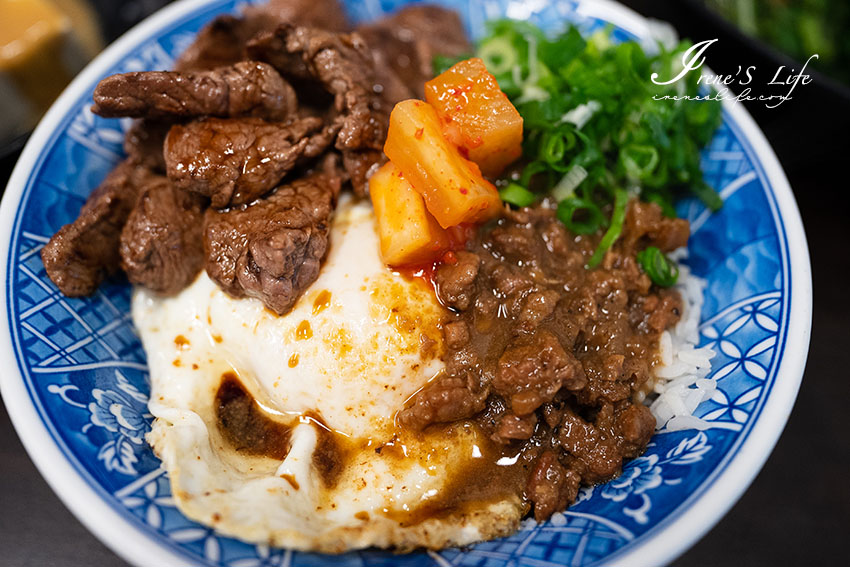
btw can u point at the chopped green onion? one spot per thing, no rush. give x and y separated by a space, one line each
533 93
442 63
580 215
660 269
581 115
554 145
707 195
568 183
499 55
531 170
618 217
639 161
517 195
595 130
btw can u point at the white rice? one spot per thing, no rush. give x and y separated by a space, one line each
681 383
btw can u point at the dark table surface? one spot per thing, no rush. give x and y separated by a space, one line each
797 512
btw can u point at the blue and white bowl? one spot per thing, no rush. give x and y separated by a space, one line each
75 379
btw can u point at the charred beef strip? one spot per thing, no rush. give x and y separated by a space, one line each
343 64
247 88
325 14
222 41
144 143
215 102
271 47
272 249
407 42
358 164
162 241
80 254
234 161
365 77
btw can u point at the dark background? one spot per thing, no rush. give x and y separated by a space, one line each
798 508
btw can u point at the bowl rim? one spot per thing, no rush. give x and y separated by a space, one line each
682 529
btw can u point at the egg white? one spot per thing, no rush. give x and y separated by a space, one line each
354 348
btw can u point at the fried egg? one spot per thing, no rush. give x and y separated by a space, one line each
281 429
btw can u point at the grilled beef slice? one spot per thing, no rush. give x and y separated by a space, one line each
247 88
80 254
222 41
234 161
219 43
162 241
345 67
272 249
144 142
325 14
407 42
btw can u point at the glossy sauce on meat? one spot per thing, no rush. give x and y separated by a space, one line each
548 357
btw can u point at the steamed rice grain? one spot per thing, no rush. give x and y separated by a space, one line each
681 383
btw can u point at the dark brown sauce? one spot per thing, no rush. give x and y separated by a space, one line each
249 429
245 425
477 481
332 451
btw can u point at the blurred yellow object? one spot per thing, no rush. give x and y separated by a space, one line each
43 44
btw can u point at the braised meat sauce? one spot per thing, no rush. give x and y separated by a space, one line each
235 164
548 356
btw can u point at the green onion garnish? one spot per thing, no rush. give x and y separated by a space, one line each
517 195
498 55
568 183
618 217
707 195
594 124
553 147
639 161
581 216
660 269
442 63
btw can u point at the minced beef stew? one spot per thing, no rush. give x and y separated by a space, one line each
548 355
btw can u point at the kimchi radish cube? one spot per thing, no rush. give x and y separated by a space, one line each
408 233
477 116
453 188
